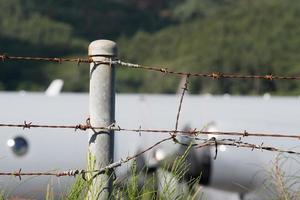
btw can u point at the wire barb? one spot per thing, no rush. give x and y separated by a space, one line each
3 57
27 125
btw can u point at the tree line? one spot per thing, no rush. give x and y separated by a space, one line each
229 36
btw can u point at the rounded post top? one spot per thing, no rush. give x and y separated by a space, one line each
103 48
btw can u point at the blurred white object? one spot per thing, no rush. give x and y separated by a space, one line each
55 87
267 96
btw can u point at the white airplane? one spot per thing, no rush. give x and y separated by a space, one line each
238 172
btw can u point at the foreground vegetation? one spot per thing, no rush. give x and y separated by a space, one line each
170 182
144 184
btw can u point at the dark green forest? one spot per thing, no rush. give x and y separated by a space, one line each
228 36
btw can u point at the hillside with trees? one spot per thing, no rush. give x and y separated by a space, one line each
229 36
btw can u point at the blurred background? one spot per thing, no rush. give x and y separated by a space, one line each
230 36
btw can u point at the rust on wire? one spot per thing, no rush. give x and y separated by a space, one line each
29 125
164 70
19 173
207 142
184 89
193 132
4 57
214 75
239 143
83 172
173 133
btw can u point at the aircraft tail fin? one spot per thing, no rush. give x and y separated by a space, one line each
55 87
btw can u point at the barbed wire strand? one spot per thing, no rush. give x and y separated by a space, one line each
4 57
192 132
184 89
214 75
173 133
239 143
83 172
206 143
164 70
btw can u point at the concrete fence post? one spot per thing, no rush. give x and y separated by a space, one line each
102 114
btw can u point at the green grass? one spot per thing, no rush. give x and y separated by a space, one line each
49 193
280 184
165 183
170 182
2 196
79 189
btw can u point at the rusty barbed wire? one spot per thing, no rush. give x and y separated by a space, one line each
4 57
239 143
83 172
29 125
213 75
206 143
193 132
160 69
19 173
184 89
